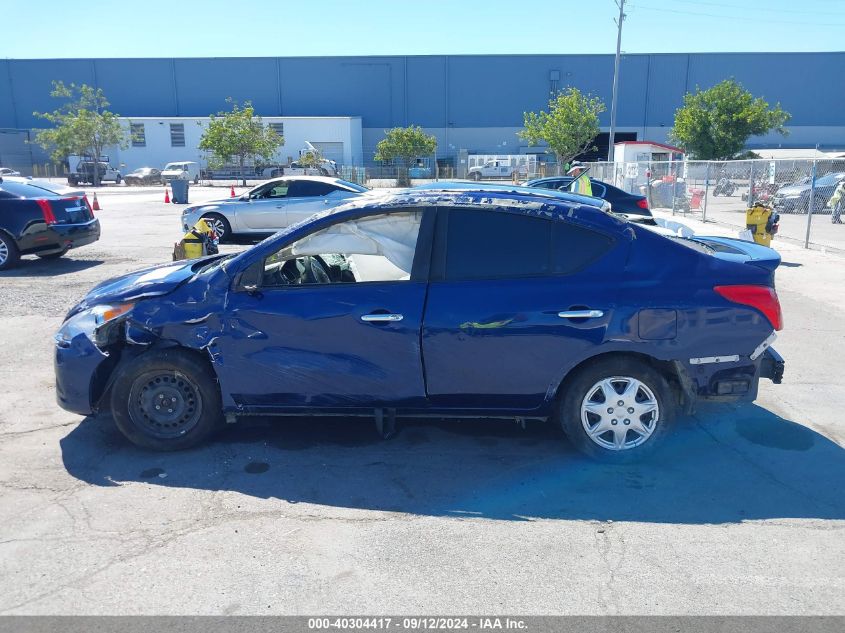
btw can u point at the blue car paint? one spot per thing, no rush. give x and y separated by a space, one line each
476 347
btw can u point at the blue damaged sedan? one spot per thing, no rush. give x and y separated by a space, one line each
423 302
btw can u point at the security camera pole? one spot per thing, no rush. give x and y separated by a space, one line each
621 5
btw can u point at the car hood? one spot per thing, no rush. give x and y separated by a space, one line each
149 282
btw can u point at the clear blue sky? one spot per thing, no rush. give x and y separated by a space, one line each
212 28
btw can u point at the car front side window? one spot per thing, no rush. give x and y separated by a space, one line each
373 248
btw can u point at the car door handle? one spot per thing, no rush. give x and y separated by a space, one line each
581 314
381 318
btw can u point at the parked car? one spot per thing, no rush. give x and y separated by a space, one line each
495 169
36 221
183 170
7 171
795 198
630 204
144 176
85 173
462 185
272 205
442 303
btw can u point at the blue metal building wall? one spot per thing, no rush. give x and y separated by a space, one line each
435 92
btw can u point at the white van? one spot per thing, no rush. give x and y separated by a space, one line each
183 170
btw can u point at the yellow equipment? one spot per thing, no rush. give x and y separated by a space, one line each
762 222
198 242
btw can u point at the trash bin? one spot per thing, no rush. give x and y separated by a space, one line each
762 222
180 191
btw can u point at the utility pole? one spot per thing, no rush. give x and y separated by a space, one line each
621 5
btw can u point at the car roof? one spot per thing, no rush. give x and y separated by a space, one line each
461 185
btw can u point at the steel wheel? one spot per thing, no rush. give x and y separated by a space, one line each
165 404
619 413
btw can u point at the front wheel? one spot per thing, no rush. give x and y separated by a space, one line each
616 409
117 180
166 400
220 225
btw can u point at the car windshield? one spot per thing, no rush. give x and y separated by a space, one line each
174 166
830 179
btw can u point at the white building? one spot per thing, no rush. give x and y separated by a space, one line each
158 141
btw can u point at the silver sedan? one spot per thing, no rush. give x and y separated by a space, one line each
272 205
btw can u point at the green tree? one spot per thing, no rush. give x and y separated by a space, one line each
310 159
715 124
401 145
82 125
569 127
239 135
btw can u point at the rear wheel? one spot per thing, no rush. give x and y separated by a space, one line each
166 400
9 253
616 409
220 225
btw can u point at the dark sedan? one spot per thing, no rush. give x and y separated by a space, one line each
144 176
39 222
620 201
795 198
442 303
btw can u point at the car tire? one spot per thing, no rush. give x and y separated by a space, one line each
117 180
55 255
221 226
175 378
9 253
585 409
476 176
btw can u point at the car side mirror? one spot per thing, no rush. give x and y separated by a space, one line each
250 279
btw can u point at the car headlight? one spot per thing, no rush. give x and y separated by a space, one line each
93 323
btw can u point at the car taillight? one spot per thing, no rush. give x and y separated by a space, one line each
763 298
642 203
47 210
88 204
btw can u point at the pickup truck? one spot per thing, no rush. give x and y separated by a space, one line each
493 169
85 173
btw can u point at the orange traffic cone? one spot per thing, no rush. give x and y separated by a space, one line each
166 196
232 192
96 205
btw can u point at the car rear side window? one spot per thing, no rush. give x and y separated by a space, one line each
575 247
487 244
309 189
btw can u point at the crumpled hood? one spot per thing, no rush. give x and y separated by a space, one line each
149 282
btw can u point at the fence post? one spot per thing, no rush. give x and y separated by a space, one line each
751 186
810 205
706 192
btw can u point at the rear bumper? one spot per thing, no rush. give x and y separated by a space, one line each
56 237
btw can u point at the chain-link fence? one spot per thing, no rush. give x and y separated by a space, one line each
722 191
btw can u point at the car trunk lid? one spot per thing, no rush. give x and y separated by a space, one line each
736 250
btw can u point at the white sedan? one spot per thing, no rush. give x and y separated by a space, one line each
272 205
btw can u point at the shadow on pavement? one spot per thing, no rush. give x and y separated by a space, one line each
727 464
36 267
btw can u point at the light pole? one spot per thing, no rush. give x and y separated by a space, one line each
621 5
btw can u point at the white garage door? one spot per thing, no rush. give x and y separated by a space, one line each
332 151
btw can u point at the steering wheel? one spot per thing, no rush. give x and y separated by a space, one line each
315 273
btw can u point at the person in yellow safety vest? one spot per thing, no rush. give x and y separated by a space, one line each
836 202
580 180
